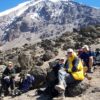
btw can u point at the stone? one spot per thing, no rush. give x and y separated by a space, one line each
25 61
40 76
48 55
76 89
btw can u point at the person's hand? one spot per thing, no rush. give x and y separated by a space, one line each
17 78
28 75
13 76
69 70
6 77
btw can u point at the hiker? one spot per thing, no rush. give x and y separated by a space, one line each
26 82
58 66
8 78
73 72
87 58
79 52
97 57
52 77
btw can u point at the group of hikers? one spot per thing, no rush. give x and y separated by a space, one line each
75 68
12 77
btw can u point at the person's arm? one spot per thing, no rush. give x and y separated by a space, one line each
75 64
90 61
66 66
13 73
91 55
5 74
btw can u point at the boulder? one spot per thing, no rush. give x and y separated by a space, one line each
48 44
48 55
25 61
40 76
76 89
68 45
38 61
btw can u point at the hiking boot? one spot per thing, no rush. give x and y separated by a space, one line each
91 70
60 88
88 77
2 95
60 97
13 93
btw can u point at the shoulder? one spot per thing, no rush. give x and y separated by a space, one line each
76 59
82 54
91 53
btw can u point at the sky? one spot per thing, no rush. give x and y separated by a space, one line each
7 4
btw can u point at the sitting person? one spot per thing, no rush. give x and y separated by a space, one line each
59 65
73 72
8 78
97 56
87 58
26 82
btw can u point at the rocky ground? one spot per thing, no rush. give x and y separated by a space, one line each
35 57
93 93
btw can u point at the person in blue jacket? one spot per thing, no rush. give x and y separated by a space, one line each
87 58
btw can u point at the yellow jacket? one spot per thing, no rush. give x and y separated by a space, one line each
75 67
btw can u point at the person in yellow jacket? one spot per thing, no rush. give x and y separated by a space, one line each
72 72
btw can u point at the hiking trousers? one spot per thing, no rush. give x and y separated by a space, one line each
65 78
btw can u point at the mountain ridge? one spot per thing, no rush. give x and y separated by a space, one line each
45 18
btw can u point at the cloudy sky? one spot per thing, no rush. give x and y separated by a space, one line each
7 4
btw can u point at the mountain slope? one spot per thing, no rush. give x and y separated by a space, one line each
44 18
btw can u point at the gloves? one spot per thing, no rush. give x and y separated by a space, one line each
28 75
6 77
13 76
69 70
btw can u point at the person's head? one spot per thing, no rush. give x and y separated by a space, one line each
61 61
85 48
10 65
70 52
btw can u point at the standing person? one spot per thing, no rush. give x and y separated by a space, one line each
73 72
8 78
87 58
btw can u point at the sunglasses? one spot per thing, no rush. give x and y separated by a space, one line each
69 52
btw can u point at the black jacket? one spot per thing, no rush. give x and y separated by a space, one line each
8 72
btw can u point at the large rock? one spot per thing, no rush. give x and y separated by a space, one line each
76 89
25 61
48 44
40 76
69 44
48 55
38 61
